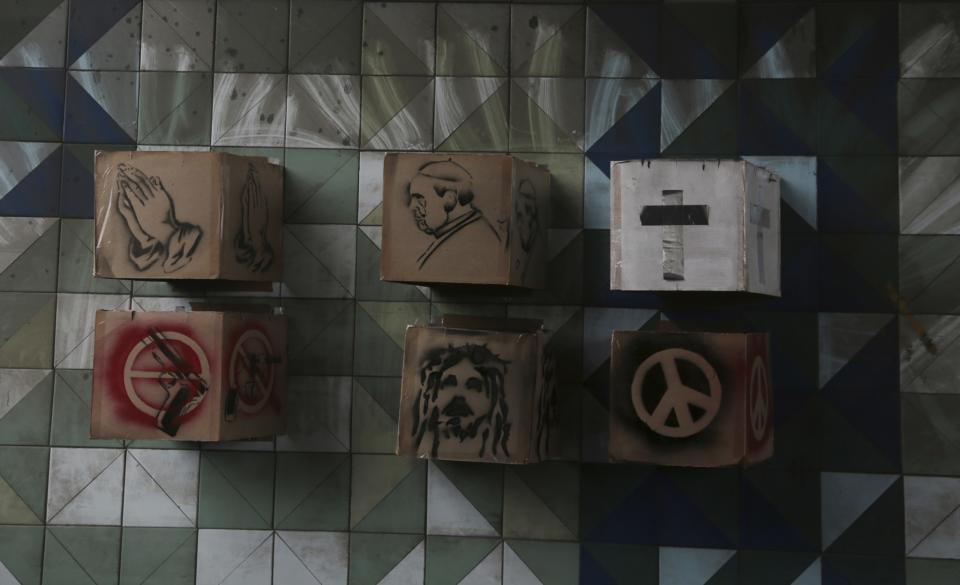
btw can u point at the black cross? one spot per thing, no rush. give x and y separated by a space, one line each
672 216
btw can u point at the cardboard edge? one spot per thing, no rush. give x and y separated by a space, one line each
616 260
96 396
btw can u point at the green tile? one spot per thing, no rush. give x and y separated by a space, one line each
23 484
376 402
482 485
553 563
158 556
542 501
81 554
381 327
75 269
319 337
372 556
21 552
313 491
236 490
387 494
26 330
72 391
34 269
933 571
320 186
325 36
251 36
25 396
175 108
450 558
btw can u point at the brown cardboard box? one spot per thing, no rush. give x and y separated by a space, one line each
188 376
188 215
478 389
690 399
464 219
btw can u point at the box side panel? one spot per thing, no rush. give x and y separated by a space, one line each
615 227
157 215
156 376
679 225
762 246
467 395
252 225
527 240
445 218
758 408
255 374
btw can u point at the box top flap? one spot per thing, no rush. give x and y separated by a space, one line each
490 323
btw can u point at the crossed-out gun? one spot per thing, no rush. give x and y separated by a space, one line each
192 386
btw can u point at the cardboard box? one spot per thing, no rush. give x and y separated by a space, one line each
464 219
188 376
694 225
188 215
478 389
690 399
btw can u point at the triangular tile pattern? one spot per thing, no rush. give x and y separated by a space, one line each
314 180
117 49
318 416
792 28
312 491
409 570
27 253
549 563
547 40
932 511
929 193
515 570
86 486
449 511
691 566
458 98
376 477
177 36
614 564
157 556
89 25
488 571
236 490
399 40
21 553
845 497
234 557
685 100
101 107
76 319
472 40
779 511
310 557
25 406
374 556
533 508
44 45
404 125
26 335
22 478
25 176
810 576
321 260
27 117
608 101
160 488
249 109
81 554
252 36
842 336
623 40
323 37
174 108
323 111
551 104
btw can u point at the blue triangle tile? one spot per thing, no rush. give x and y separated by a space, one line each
709 52
762 526
764 24
87 121
42 90
633 520
37 194
637 26
591 571
840 207
874 54
598 384
76 196
90 20
683 522
635 135
763 132
873 101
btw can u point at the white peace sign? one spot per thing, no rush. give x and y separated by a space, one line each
678 396
759 398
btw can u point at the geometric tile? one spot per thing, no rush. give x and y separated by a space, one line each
320 186
542 120
932 511
463 499
86 486
369 206
471 114
541 502
546 40
81 554
387 494
175 108
310 558
380 328
251 36
857 41
323 111
320 338
399 38
234 557
932 572
104 35
101 107
23 478
249 109
472 39
929 273
623 40
70 424
325 36
780 510
928 354
928 110
396 113
778 41
160 488
313 491
320 261
236 490
318 414
929 193
374 410
854 507
28 178
26 330
75 265
25 406
618 564
857 116
76 180
842 336
775 116
21 554
76 319
930 40
32 101
530 562
873 569
930 427
388 559
36 38
692 566
608 102
28 250
698 41
687 101
453 560
155 556
177 35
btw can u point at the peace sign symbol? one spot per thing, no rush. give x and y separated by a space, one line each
251 370
759 398
678 397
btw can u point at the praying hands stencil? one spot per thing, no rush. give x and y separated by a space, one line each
156 234
250 244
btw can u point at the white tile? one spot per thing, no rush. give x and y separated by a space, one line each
85 486
160 488
310 558
234 557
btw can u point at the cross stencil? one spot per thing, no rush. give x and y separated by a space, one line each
673 215
760 216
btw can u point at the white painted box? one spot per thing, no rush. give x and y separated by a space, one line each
694 225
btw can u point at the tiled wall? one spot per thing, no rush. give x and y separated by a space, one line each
856 105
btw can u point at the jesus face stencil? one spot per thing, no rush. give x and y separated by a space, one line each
462 400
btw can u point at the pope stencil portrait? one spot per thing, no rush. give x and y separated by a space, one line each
441 199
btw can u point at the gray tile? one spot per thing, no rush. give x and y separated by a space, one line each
929 111
325 36
930 39
323 111
252 36
177 35
930 195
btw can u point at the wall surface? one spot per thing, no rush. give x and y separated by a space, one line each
856 105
